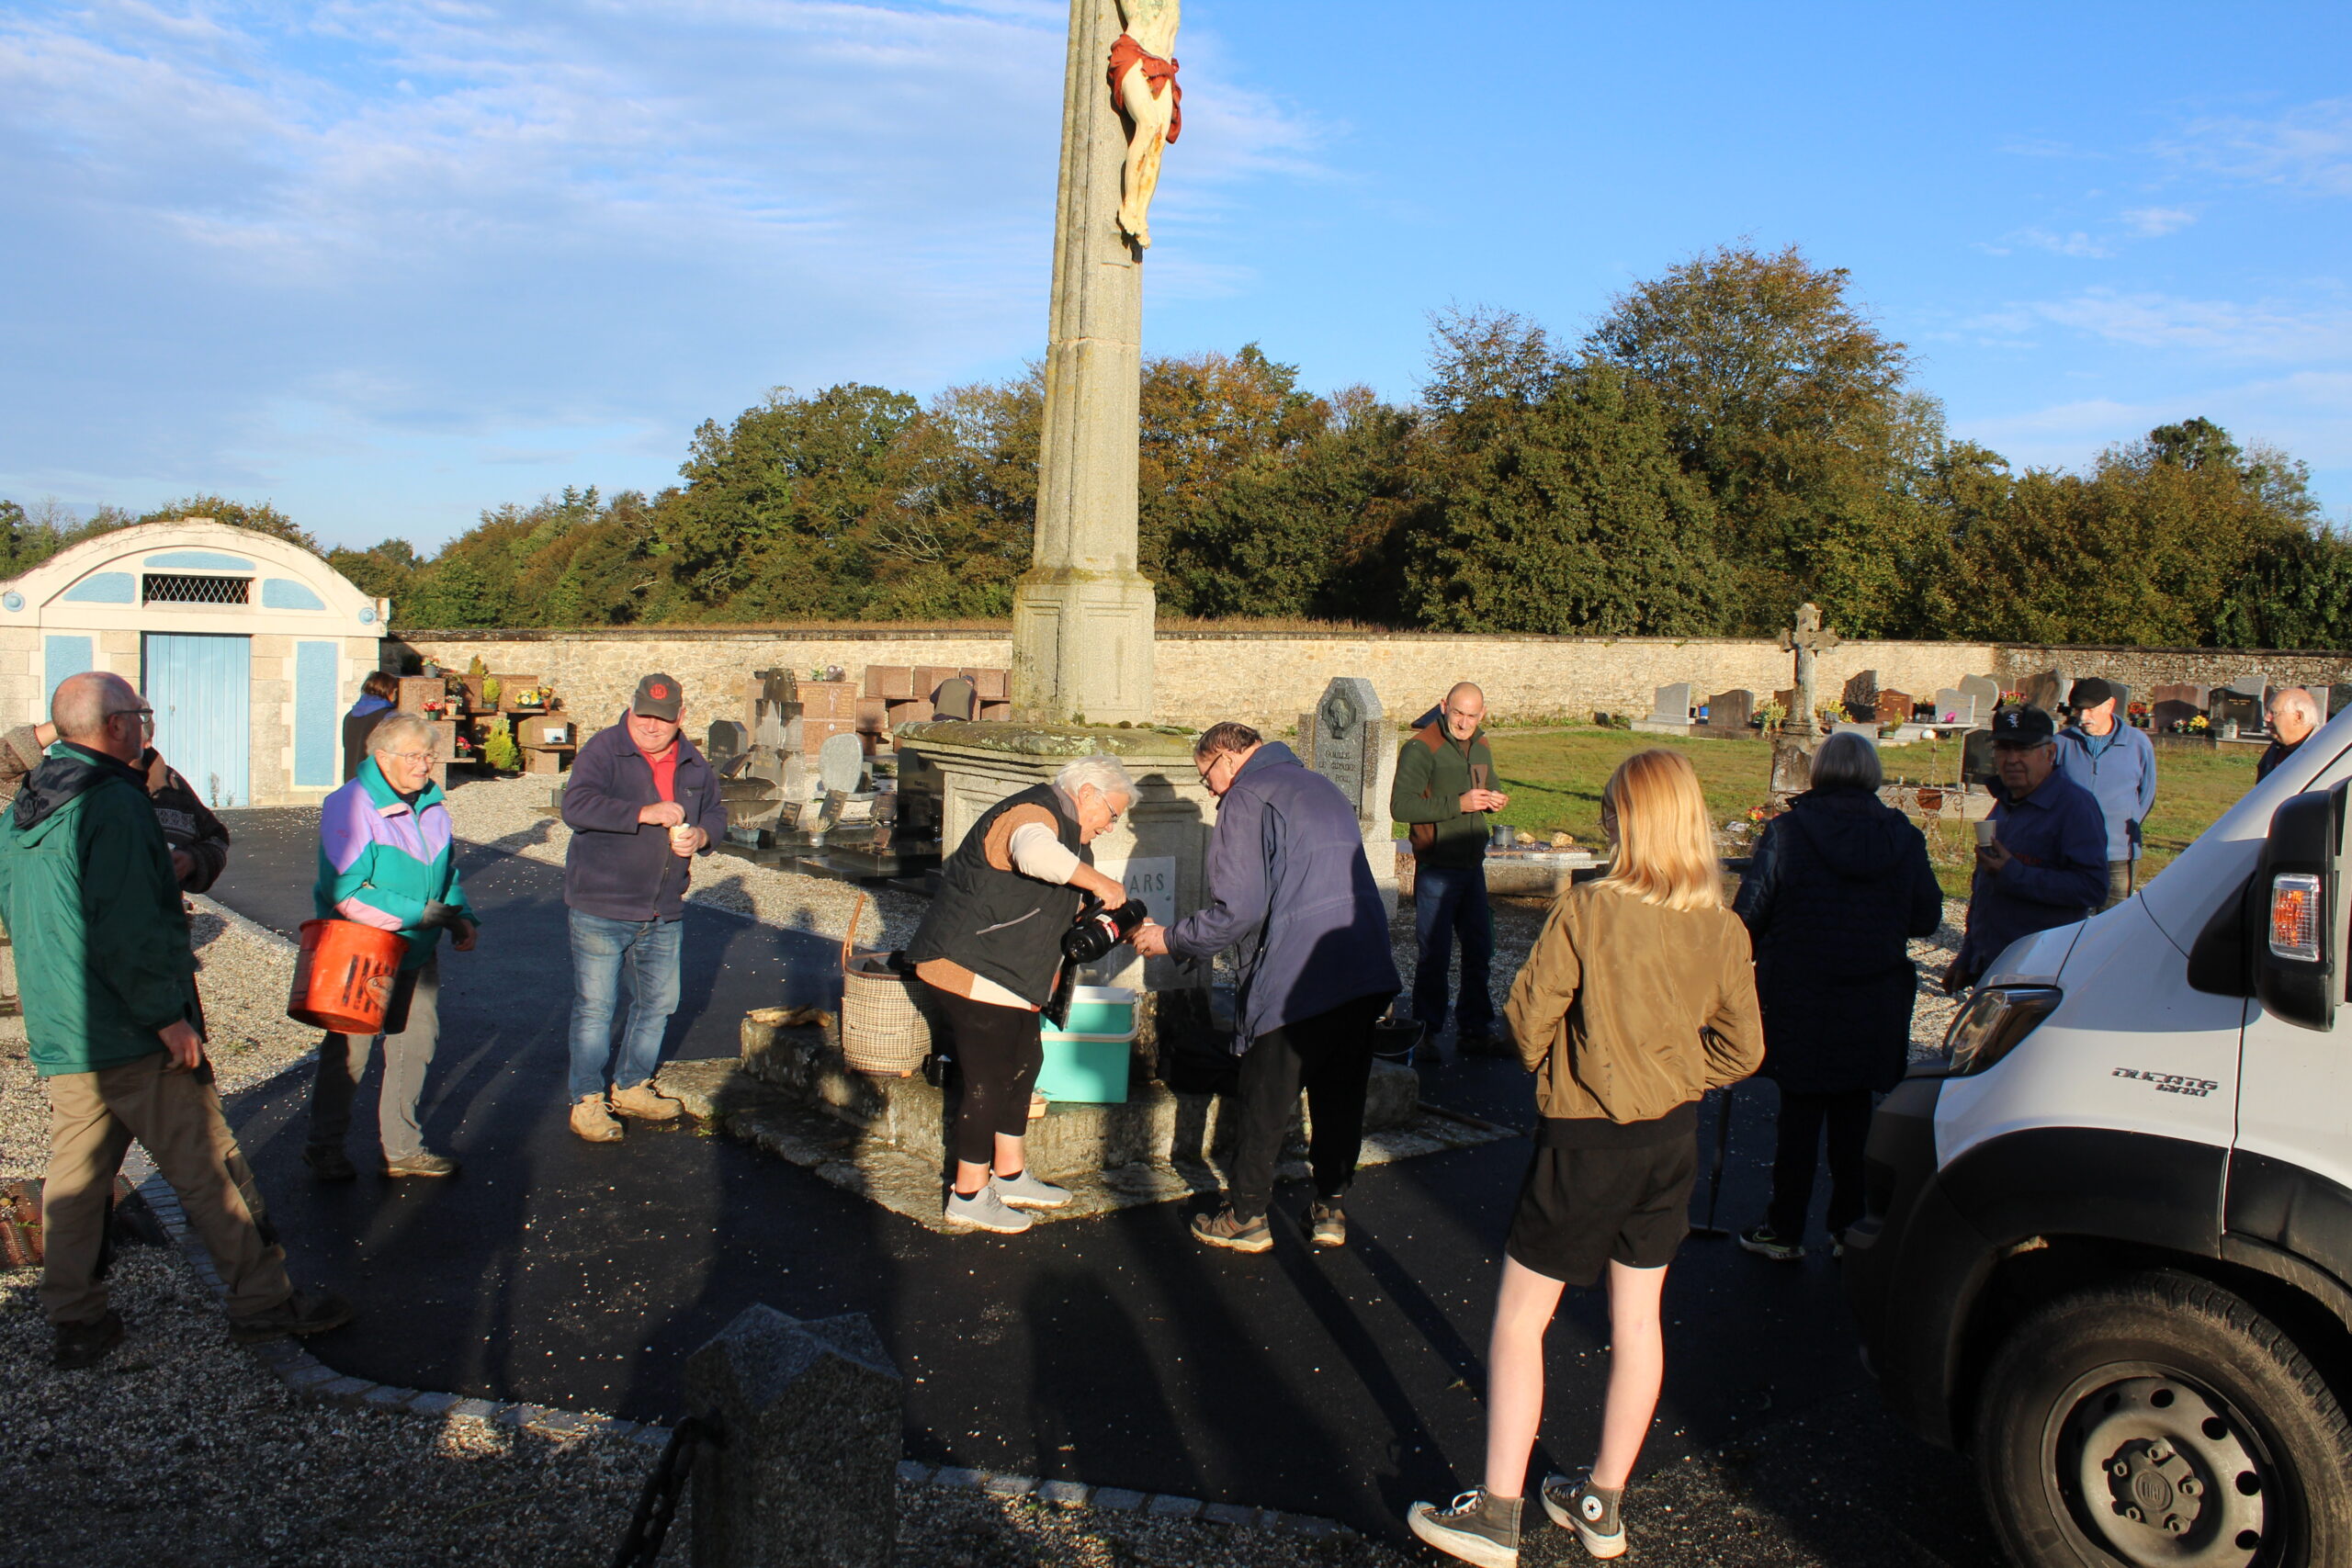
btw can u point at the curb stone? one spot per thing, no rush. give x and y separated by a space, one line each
302 1373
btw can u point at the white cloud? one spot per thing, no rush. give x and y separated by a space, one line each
2308 148
2273 330
2075 244
2155 222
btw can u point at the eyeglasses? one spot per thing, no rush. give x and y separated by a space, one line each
146 717
417 759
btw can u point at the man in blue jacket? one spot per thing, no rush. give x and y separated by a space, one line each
2117 764
2046 866
1290 891
642 804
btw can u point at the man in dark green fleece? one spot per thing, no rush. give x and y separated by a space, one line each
87 887
1446 788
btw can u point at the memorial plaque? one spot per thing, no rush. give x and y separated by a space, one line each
1345 728
1893 707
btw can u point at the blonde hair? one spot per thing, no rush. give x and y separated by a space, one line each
1665 848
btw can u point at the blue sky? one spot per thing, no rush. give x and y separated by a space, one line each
389 262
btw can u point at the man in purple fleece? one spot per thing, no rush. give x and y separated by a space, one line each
1291 894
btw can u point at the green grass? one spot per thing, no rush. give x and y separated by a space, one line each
1554 778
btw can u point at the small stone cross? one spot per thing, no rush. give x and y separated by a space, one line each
1809 638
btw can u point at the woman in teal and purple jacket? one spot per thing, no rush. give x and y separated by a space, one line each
385 860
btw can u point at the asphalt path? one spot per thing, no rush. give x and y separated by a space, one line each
1115 1351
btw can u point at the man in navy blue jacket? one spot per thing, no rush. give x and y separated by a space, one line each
2046 866
641 803
1291 893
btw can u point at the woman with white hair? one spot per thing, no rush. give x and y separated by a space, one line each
990 949
1838 887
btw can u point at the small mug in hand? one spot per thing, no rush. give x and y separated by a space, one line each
682 839
1986 832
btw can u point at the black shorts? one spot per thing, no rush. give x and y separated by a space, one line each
1604 1193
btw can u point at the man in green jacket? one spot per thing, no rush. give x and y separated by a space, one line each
1446 788
117 1033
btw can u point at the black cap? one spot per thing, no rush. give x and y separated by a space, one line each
658 697
2025 725
2088 693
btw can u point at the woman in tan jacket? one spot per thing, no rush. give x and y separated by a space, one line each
1638 998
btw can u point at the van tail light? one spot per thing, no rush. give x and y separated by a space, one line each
2295 917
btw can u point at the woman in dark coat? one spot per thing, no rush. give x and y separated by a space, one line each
1840 885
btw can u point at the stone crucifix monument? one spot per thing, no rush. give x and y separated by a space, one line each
1082 614
1793 749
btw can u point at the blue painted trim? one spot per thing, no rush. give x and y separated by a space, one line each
285 593
103 588
61 657
315 727
207 560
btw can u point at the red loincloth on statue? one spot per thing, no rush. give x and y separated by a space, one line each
1157 73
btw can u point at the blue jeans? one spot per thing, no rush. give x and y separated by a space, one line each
601 949
1450 900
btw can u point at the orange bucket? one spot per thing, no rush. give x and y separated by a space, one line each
331 977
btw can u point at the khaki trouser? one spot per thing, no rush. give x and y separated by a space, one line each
175 1116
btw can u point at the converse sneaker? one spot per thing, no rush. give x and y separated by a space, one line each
1025 1191
1474 1526
1765 1242
1227 1229
1581 1506
987 1211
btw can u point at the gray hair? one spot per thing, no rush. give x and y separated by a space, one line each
1106 773
84 702
1847 760
395 728
2299 699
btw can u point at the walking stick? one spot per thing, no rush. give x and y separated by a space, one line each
1715 1183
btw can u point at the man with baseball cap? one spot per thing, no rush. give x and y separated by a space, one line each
2047 862
2117 764
641 803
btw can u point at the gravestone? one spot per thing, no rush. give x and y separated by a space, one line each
805 1473
957 699
2338 696
1669 712
1976 760
1987 692
1893 707
727 738
2049 689
1732 712
1793 717
1346 735
1791 766
1954 706
2175 704
841 765
1861 695
2240 703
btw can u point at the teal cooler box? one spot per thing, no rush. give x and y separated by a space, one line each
1086 1059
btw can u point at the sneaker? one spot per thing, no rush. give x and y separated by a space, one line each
1765 1242
83 1345
987 1211
1025 1191
329 1163
1474 1526
1325 1225
594 1122
1577 1505
645 1103
424 1162
1225 1228
297 1315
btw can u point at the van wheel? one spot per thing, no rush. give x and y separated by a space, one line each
2160 1422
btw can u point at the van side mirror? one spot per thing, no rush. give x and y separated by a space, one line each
2299 898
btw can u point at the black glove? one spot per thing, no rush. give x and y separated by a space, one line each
441 917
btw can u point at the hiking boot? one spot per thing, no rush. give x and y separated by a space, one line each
83 1345
645 1103
1025 1191
1581 1506
1765 1242
298 1314
1474 1526
1225 1228
424 1162
987 1211
594 1122
1325 1225
329 1163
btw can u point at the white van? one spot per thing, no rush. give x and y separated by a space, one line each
2108 1244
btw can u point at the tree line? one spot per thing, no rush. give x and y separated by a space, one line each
1726 440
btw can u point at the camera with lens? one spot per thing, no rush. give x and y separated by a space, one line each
1098 929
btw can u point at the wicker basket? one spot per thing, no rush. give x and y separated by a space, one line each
883 1027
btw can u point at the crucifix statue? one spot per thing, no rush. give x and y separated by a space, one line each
1143 84
1809 638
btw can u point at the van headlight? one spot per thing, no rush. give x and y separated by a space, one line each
1989 1025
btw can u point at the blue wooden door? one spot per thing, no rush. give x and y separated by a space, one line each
201 690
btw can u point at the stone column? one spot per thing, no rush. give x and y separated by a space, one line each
1082 614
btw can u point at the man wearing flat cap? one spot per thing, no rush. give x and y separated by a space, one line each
641 803
2047 863
2117 764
